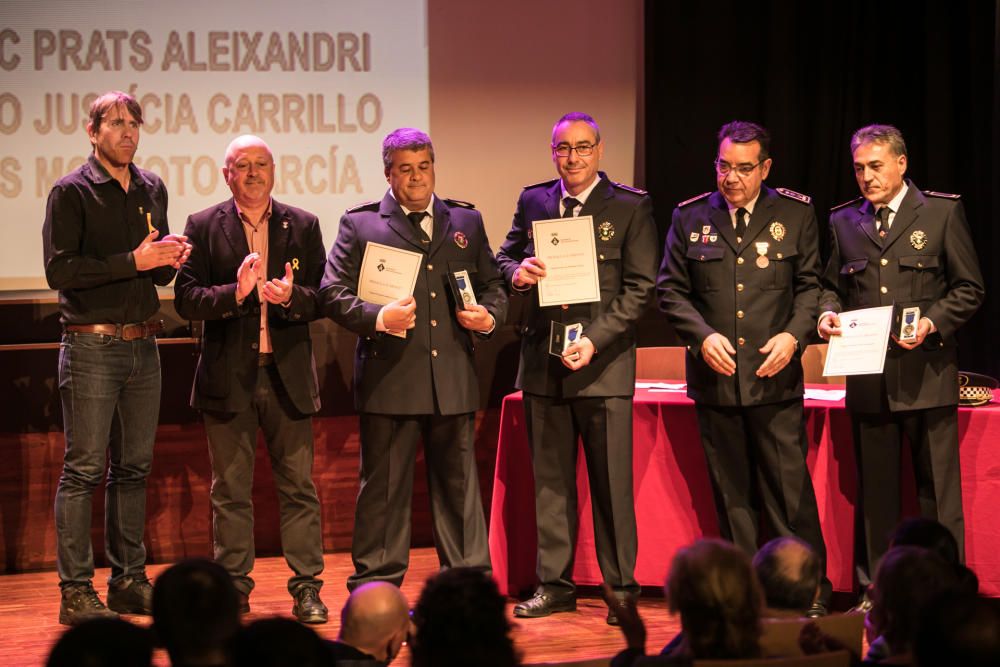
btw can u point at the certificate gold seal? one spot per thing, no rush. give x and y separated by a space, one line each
918 240
777 231
461 241
606 231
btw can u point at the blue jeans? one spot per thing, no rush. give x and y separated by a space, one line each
110 392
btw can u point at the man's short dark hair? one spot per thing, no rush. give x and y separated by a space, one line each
579 117
114 99
460 620
405 139
712 586
745 132
908 580
195 609
103 642
789 572
879 134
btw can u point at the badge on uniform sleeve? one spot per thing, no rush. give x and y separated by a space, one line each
918 240
712 238
606 230
461 241
694 237
777 231
706 229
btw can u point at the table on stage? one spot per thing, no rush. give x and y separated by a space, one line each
673 495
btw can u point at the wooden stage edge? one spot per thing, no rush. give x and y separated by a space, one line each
29 610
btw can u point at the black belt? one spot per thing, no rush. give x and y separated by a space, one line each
123 331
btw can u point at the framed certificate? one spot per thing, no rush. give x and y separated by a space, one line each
567 247
860 348
388 274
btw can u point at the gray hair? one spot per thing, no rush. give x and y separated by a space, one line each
880 134
579 117
405 139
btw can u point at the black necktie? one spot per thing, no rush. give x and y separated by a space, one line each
741 224
570 205
415 218
882 222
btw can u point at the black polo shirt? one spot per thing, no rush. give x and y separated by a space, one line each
91 227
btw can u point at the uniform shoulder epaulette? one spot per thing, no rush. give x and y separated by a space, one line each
792 194
694 199
628 188
367 206
551 181
846 203
945 195
460 203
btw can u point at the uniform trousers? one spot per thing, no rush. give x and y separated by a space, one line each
555 426
933 438
381 544
756 458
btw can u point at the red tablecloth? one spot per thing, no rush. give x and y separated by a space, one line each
673 496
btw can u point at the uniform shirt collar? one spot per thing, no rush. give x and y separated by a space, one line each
429 210
583 196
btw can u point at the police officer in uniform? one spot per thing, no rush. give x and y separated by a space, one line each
419 384
739 282
587 394
898 245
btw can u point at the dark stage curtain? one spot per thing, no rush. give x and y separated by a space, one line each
812 73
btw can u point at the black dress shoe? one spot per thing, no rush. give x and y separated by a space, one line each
131 595
244 600
308 608
543 604
817 610
612 617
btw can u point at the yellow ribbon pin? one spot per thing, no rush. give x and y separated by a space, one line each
295 263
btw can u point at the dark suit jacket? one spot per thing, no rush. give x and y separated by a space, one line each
708 283
432 370
206 290
626 265
927 260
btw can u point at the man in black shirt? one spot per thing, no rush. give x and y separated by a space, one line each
101 231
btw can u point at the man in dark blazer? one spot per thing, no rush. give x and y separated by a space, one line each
899 246
252 277
414 371
588 391
739 283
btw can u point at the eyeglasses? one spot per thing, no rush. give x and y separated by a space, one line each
742 170
583 150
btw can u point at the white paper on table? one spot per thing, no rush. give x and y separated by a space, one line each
662 386
825 394
568 248
388 274
861 346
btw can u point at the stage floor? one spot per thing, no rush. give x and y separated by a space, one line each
29 609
